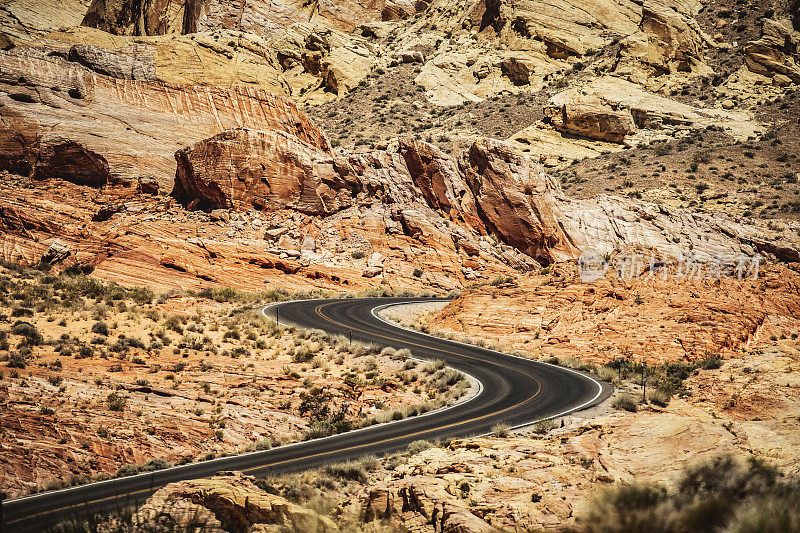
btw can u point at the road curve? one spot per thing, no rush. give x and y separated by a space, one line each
514 391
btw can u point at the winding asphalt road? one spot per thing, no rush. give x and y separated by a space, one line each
513 390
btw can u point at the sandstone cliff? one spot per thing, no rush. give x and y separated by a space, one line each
134 126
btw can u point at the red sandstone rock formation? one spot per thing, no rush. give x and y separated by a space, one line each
491 190
256 169
516 200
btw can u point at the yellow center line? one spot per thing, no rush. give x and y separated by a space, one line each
318 311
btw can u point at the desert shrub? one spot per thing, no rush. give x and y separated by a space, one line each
84 352
174 323
78 270
21 311
16 360
432 367
723 494
127 470
28 331
658 397
302 354
351 471
501 430
116 402
544 426
418 446
150 466
625 402
101 328
711 362
502 280
605 373
446 378
224 294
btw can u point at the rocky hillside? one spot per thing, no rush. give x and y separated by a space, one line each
128 103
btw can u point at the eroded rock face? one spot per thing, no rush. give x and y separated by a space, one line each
72 162
24 20
515 198
256 169
437 177
228 502
669 41
133 125
777 53
492 188
128 17
132 63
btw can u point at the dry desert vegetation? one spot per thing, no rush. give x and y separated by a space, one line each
170 167
100 380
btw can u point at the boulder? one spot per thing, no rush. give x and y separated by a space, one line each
106 212
228 501
56 252
135 62
587 116
648 110
274 234
147 185
516 199
519 69
372 271
376 260
776 53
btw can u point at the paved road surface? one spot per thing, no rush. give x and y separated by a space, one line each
514 391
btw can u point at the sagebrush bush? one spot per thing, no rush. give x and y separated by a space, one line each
101 328
724 494
625 402
418 446
501 430
28 331
351 471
